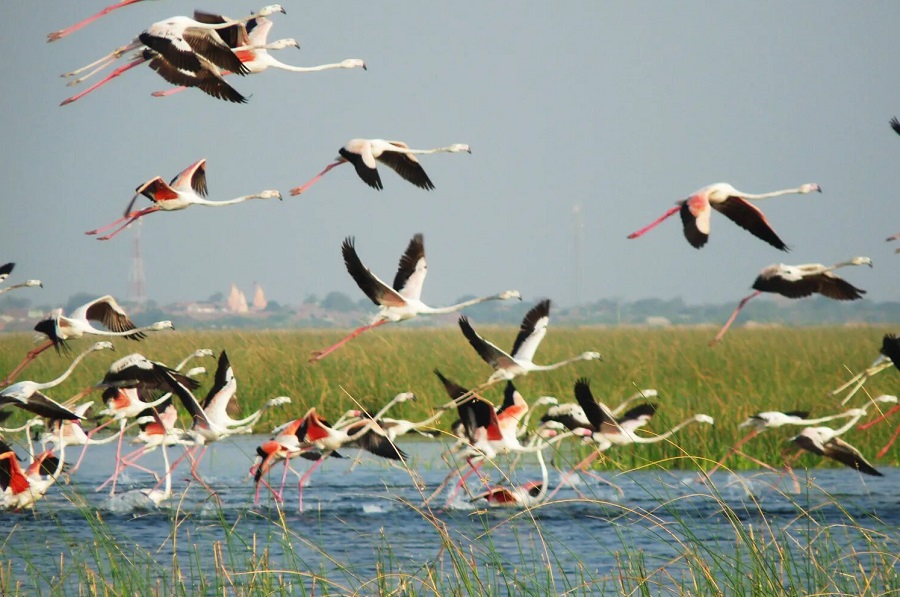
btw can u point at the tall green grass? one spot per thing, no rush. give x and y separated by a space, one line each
752 370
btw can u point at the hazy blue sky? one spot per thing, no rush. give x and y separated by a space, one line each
619 107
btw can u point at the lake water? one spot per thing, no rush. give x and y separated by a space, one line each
358 523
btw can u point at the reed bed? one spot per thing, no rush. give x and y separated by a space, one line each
753 370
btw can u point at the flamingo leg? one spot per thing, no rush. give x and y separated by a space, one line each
732 450
733 317
104 80
462 480
298 190
64 32
118 469
865 375
321 354
879 419
132 45
132 218
890 443
108 226
32 354
580 466
655 222
195 474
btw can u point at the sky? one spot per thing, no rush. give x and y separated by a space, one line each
609 110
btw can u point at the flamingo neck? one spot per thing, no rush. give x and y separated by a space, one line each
65 374
798 190
241 199
464 304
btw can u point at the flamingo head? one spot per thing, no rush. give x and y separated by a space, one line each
404 396
203 352
509 294
270 10
270 194
30 283
704 419
810 188
885 399
583 432
162 325
354 63
459 147
591 356
861 261
102 346
546 400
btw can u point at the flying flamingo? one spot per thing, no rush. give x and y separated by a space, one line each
364 154
402 300
106 310
572 416
759 422
519 362
890 349
530 494
28 395
609 432
798 281
825 441
186 189
189 45
257 59
733 204
64 32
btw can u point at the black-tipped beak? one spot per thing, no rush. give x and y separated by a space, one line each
820 189
365 67
283 11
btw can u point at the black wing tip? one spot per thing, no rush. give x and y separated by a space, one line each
895 124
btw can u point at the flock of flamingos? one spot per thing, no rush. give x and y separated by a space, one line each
199 52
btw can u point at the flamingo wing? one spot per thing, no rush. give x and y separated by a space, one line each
190 404
838 449
572 416
532 331
365 166
637 416
5 270
44 406
205 79
406 165
750 218
155 190
497 495
223 388
895 124
207 44
838 288
377 443
192 177
786 283
492 355
233 36
412 269
380 293
890 347
594 412
511 411
695 222
108 312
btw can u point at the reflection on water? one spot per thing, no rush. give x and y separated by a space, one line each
355 522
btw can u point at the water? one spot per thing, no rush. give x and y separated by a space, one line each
358 523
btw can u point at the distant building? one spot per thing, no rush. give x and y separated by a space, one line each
237 302
259 299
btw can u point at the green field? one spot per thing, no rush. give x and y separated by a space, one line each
752 370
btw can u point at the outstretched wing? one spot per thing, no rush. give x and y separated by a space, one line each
750 218
839 450
594 412
532 331
412 269
380 293
493 356
406 165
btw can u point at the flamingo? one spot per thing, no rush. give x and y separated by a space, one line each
189 45
759 422
315 432
64 32
825 441
257 58
396 155
401 301
21 490
528 495
25 284
106 310
609 432
798 281
733 204
572 416
889 355
186 189
519 362
890 350
28 395
895 124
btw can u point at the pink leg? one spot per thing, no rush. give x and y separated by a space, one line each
733 449
104 81
133 217
32 354
108 226
321 354
733 317
653 224
64 32
890 443
580 466
287 462
879 419
462 480
298 190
